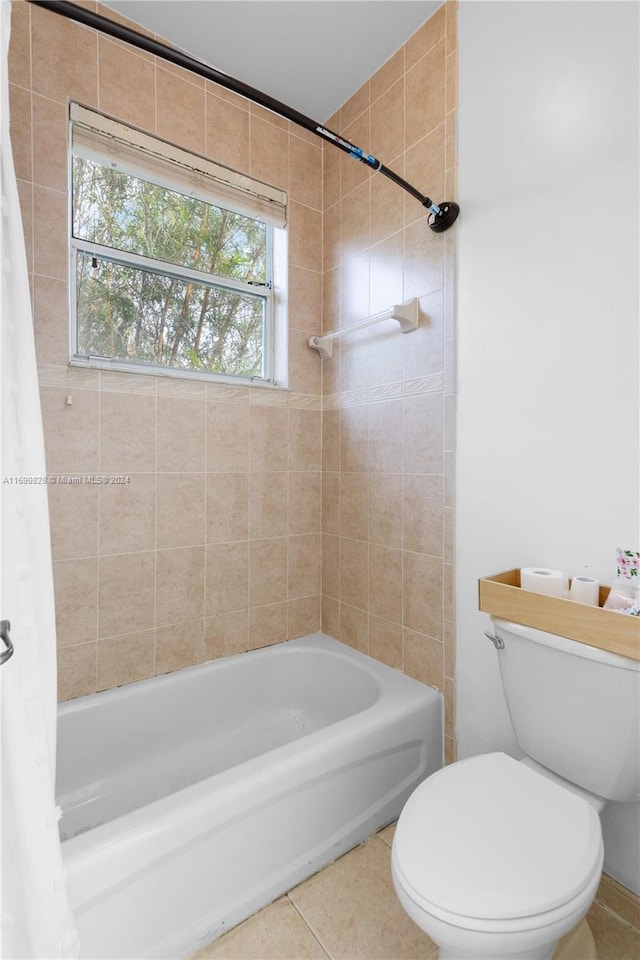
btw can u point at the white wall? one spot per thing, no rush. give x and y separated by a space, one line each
548 423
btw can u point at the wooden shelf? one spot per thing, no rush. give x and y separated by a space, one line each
502 596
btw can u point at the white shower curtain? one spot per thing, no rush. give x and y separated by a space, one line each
36 919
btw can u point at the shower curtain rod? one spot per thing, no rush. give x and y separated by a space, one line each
441 215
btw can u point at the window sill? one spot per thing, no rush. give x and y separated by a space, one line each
114 366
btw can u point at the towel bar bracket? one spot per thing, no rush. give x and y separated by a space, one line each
324 349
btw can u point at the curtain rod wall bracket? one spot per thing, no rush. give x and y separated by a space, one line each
443 220
441 216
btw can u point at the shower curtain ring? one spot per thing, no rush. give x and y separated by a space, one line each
5 628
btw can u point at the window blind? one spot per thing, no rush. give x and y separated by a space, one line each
103 140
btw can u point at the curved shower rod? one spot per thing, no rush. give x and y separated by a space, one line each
441 215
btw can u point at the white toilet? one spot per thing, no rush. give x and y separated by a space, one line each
499 858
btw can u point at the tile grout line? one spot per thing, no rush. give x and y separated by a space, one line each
615 916
308 927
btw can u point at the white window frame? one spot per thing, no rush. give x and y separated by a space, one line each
148 158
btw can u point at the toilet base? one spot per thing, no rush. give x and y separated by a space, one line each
578 944
535 954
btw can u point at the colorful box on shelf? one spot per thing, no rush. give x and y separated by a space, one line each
502 596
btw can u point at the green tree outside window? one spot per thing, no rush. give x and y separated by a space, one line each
166 279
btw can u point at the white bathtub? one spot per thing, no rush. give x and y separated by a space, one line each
192 799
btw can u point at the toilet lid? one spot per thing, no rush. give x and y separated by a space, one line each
489 838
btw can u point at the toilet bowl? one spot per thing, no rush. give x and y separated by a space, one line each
499 858
494 860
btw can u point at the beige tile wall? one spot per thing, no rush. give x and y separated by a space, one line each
388 398
214 545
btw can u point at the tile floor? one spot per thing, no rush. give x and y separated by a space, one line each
349 911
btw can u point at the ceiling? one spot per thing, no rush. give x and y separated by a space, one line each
310 54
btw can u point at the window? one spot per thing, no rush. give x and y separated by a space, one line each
172 257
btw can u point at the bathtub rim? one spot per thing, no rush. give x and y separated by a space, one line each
318 640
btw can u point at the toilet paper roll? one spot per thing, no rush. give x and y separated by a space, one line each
585 590
553 583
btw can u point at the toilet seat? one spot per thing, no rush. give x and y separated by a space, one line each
489 840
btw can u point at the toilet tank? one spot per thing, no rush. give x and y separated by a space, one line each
575 709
